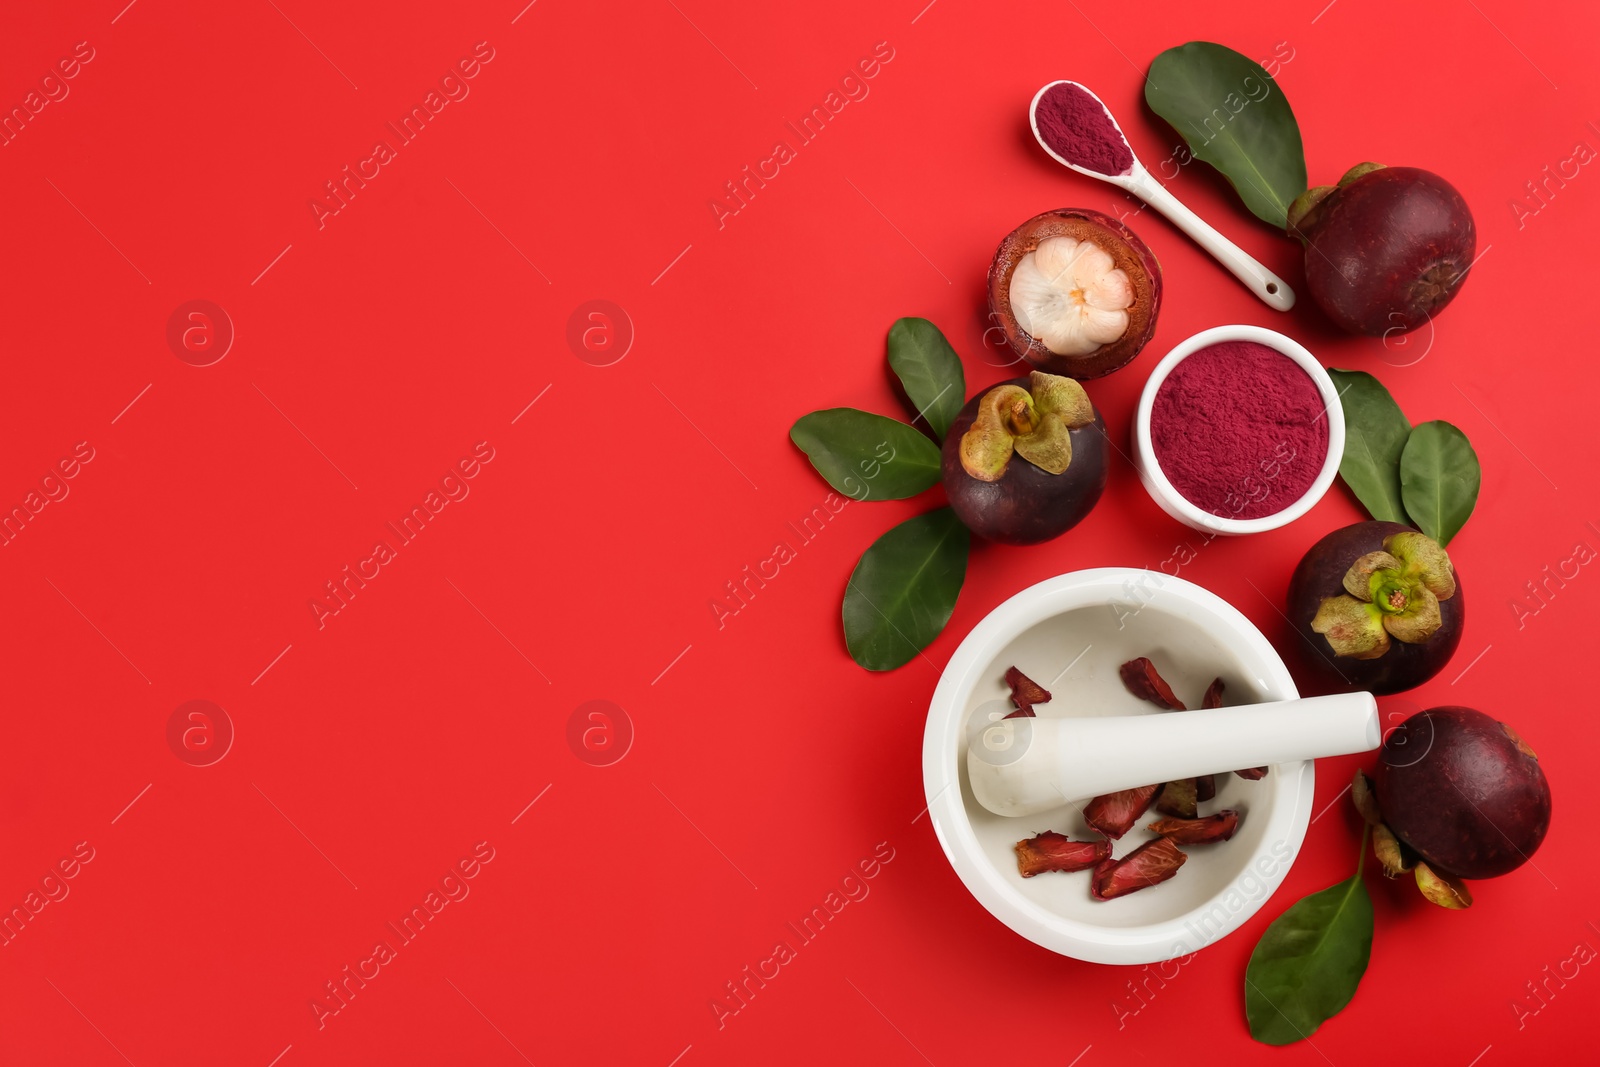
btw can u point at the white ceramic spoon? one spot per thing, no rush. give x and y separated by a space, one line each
1272 290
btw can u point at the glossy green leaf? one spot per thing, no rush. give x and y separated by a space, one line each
1439 479
1236 118
1375 432
929 369
867 456
904 589
1308 964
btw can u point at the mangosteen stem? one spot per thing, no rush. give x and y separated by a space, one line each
1021 417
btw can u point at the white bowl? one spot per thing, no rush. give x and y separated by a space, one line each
1173 502
1070 634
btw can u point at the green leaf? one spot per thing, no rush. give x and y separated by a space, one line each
929 369
1236 118
904 589
1307 965
1375 432
867 456
1439 479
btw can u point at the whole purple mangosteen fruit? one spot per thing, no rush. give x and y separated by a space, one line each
1464 791
1378 606
1386 249
1025 460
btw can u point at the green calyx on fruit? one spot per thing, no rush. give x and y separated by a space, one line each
1361 791
1035 423
1302 210
1516 739
1390 852
1396 857
1445 890
1360 170
1394 593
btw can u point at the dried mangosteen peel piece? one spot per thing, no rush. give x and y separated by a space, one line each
1115 813
1394 593
1206 831
1180 798
1445 890
1050 851
1150 864
1025 693
1035 423
1146 683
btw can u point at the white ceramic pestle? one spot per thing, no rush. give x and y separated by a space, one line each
1024 766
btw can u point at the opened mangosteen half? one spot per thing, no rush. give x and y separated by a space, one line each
1075 291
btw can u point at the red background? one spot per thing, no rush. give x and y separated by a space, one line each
373 753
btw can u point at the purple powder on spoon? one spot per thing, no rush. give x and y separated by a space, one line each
1077 128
